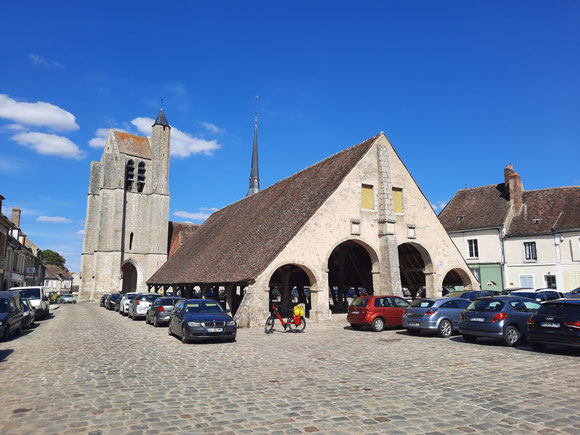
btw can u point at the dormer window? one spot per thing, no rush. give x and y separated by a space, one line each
460 218
129 174
141 177
536 221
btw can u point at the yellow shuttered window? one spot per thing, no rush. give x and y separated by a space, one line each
367 197
398 200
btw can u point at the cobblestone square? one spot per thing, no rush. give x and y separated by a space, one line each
88 370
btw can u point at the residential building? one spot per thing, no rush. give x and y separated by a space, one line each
57 280
511 237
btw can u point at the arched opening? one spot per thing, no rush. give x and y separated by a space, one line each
129 273
349 274
456 280
130 241
290 285
414 262
129 174
141 177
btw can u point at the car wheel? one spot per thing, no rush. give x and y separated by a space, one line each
146 320
169 330
184 336
469 338
355 326
134 317
378 324
19 329
445 329
155 324
414 331
6 333
511 336
538 346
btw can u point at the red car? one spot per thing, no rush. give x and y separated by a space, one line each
376 311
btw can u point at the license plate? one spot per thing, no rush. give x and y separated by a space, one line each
355 312
549 325
477 319
414 324
215 329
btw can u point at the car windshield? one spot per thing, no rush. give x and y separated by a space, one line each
359 302
486 305
203 307
530 295
422 303
115 297
560 309
30 293
130 297
3 305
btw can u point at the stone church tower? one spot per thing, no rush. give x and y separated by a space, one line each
126 229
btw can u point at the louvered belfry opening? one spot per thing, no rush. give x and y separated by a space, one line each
290 286
349 275
129 174
141 177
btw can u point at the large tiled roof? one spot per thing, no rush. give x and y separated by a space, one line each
238 242
475 208
133 145
557 209
55 272
179 232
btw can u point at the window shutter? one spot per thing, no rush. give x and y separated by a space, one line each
575 248
398 200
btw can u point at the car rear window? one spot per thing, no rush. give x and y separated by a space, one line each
422 303
168 302
558 309
486 305
30 293
359 302
149 298
530 295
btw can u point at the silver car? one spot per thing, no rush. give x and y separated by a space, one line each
440 315
140 304
125 302
160 311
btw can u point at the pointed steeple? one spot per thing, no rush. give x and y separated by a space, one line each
161 119
254 175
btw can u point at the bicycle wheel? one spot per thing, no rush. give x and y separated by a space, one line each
297 328
269 326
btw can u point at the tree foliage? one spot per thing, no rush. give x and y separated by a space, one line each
54 258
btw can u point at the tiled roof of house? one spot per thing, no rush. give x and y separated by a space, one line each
55 272
238 242
133 145
547 211
179 232
475 208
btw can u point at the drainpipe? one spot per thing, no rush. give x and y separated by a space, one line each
559 275
504 270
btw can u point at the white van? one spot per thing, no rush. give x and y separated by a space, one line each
38 299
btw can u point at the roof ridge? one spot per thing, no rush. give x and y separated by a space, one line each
481 187
553 188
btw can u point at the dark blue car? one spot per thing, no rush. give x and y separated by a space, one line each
504 318
201 319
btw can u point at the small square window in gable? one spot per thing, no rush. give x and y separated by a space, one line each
355 227
367 202
411 232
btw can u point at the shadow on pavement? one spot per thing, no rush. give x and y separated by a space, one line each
4 354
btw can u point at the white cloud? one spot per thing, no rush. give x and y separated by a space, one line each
182 144
49 144
201 215
212 127
38 114
439 205
81 232
53 219
39 60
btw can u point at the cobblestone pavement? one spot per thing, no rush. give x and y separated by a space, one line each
88 370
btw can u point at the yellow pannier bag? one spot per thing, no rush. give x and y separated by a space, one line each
298 311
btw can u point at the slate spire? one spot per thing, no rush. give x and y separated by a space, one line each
254 175
161 119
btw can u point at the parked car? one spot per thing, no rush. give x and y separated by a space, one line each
574 294
38 298
439 315
68 299
140 304
112 300
541 295
125 302
201 319
160 310
376 311
103 299
28 314
502 317
11 314
470 294
555 323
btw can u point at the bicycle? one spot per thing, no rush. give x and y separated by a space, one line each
295 322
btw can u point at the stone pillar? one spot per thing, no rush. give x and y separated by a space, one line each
253 310
230 297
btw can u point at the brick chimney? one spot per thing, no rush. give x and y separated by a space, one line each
513 183
16 217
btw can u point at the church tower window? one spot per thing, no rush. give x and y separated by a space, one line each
131 241
129 174
141 177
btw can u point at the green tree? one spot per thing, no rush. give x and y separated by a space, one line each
51 257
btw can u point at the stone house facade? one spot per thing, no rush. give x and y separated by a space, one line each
511 237
356 221
57 280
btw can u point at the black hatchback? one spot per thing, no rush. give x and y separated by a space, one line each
556 322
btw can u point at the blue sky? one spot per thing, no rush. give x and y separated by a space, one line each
461 88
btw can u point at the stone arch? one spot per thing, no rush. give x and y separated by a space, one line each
350 266
291 284
130 273
457 276
416 269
